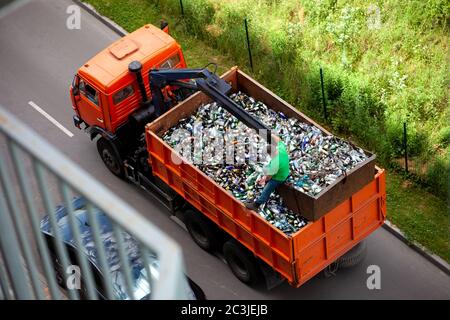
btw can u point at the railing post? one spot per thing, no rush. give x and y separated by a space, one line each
49 165
18 221
11 252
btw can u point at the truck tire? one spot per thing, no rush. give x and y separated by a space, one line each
204 233
110 157
354 256
242 263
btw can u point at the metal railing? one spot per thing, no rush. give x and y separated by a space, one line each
34 178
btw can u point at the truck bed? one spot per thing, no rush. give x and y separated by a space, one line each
351 215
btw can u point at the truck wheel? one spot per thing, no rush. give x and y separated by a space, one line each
242 263
353 257
110 157
205 233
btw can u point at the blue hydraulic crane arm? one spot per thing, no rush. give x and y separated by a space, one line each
207 82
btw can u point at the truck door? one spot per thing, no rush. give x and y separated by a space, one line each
89 105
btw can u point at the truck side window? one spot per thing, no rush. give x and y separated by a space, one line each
171 62
88 91
123 94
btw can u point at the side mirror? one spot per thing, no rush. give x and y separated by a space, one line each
75 89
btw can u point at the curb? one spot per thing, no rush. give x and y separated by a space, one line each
431 257
434 259
106 21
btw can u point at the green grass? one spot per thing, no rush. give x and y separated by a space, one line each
422 216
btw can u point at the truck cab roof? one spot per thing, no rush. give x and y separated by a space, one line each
108 70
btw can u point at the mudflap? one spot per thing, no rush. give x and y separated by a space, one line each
272 278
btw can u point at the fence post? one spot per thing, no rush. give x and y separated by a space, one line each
181 7
248 44
405 146
325 113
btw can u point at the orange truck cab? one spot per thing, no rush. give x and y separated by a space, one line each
111 94
105 93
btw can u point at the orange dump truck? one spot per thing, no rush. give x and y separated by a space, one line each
129 94
298 257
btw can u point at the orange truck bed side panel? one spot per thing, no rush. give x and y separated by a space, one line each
322 242
298 257
267 242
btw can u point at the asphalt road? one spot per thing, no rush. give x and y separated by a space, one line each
38 58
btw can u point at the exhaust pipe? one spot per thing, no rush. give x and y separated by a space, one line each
145 114
136 68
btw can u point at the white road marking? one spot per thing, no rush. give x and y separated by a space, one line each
50 118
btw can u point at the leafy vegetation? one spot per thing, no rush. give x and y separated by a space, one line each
378 74
384 64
